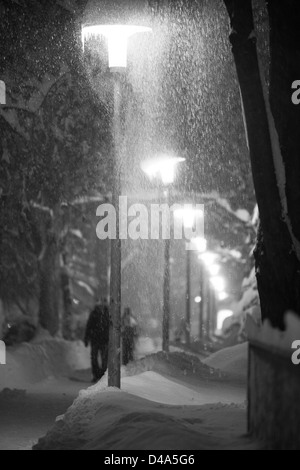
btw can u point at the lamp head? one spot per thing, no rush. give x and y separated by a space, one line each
116 12
117 21
163 167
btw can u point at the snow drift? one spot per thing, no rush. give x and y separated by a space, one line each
110 419
232 361
30 363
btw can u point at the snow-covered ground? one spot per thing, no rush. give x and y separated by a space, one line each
28 415
34 388
233 361
167 401
31 363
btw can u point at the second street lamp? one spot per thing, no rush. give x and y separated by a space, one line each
164 169
116 21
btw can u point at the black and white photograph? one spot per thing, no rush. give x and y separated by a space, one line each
149 227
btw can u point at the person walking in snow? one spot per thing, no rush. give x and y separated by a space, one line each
97 335
129 336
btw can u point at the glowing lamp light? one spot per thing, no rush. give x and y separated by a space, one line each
222 296
200 243
214 269
117 21
117 39
208 258
163 168
198 299
218 283
222 316
189 216
236 254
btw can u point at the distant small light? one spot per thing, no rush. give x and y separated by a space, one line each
208 258
222 296
189 216
214 269
218 283
236 254
198 300
200 243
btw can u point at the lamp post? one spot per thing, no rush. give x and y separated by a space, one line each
117 21
200 245
164 169
216 285
201 305
189 217
2 92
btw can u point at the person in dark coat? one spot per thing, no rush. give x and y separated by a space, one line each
97 335
129 336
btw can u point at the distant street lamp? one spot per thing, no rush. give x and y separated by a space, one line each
209 258
222 296
218 283
164 169
214 269
117 21
189 217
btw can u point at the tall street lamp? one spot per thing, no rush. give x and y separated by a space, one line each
164 169
116 21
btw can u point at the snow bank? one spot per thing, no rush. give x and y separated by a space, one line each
163 405
176 364
111 419
179 365
233 361
31 363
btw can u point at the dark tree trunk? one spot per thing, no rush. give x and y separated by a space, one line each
49 285
285 69
276 262
67 300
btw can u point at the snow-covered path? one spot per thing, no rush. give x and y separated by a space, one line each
27 417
